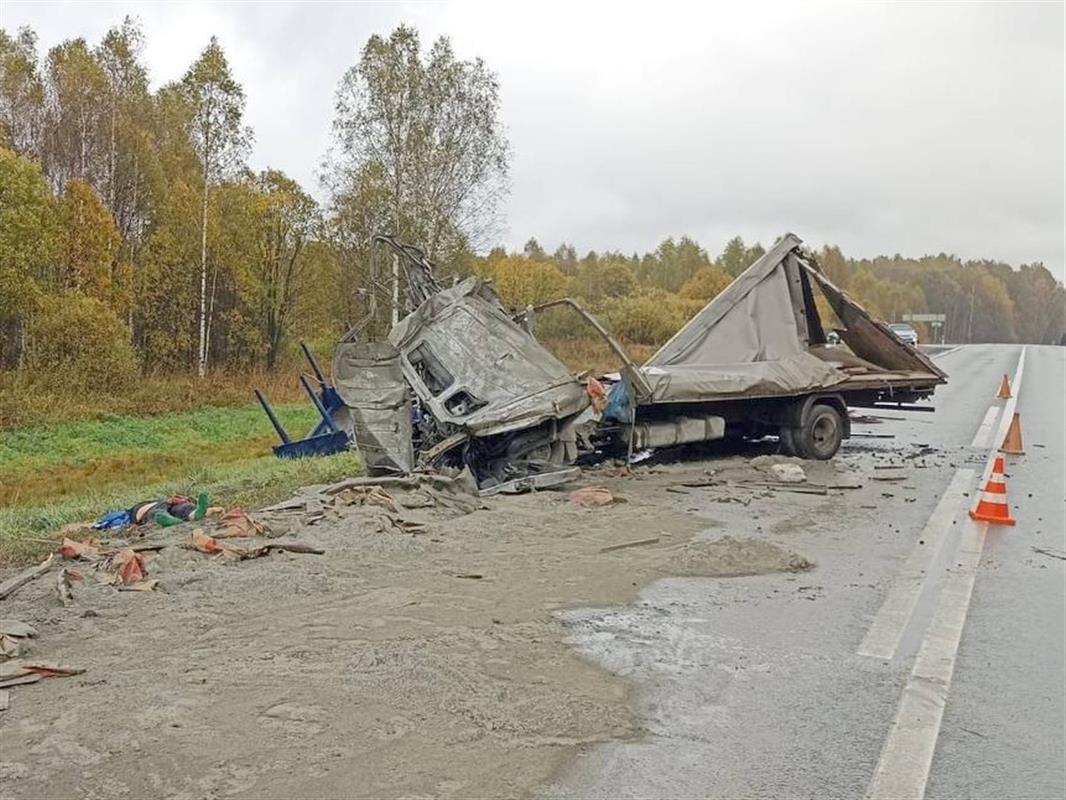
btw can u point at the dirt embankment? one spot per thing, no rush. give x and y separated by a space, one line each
399 664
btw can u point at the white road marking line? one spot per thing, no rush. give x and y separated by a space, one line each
891 620
984 432
1011 404
943 353
907 756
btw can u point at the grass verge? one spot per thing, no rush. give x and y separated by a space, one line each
26 531
73 472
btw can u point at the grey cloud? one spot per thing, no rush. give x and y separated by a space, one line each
907 128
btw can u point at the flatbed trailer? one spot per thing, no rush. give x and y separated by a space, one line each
757 361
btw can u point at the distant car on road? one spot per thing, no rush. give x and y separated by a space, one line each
905 333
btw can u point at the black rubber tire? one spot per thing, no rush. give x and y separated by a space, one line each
819 437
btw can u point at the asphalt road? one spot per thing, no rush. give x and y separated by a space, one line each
924 656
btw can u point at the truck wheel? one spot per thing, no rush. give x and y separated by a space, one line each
820 434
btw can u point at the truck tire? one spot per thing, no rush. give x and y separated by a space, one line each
820 434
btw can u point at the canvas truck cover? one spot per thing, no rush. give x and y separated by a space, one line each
478 370
763 337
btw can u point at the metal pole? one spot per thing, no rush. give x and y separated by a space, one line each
318 404
969 325
395 289
314 363
273 417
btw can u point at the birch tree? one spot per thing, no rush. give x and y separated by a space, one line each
216 101
128 120
21 94
418 134
76 103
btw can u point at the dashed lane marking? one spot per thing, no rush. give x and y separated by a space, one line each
984 432
895 613
907 756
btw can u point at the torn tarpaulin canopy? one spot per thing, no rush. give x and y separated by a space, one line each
763 337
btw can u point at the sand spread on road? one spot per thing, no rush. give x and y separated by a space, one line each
428 664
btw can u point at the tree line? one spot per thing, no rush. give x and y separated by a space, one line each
135 238
646 298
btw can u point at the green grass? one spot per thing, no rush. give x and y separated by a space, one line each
204 428
73 472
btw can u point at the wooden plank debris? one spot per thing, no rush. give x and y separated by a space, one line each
13 584
635 543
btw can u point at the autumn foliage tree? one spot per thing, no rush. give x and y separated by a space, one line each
133 237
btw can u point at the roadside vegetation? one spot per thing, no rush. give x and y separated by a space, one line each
149 278
73 472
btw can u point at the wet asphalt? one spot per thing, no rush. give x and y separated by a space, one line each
753 687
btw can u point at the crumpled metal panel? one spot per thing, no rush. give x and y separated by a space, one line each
501 378
368 377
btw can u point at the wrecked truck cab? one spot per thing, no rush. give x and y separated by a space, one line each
473 367
460 385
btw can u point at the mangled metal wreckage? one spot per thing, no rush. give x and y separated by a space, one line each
460 382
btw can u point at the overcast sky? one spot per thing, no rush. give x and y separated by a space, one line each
910 128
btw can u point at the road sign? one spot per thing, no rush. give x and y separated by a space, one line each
941 318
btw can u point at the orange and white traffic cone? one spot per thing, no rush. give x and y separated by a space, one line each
992 504
1004 389
1012 442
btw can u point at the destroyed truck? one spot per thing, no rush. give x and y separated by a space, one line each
462 383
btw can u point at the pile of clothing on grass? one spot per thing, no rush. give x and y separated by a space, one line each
171 511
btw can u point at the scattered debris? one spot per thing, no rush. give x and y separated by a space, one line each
18 671
236 523
13 627
200 541
530 483
63 581
74 551
16 680
140 586
888 477
789 473
1047 551
373 495
5 699
813 488
13 584
591 497
635 543
10 646
129 564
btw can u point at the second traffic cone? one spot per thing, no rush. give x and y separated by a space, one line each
1004 389
1012 442
992 504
